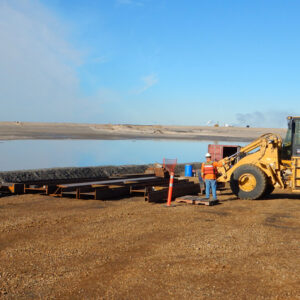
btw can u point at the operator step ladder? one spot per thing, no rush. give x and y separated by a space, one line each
297 174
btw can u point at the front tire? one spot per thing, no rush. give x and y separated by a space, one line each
248 182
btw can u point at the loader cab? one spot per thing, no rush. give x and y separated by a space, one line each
291 151
291 144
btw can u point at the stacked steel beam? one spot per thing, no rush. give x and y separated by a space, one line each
152 188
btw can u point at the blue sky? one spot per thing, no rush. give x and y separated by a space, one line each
150 61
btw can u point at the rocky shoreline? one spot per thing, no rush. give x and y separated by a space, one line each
79 173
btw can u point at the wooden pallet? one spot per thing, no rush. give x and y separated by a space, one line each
196 200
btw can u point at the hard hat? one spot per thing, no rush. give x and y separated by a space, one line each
207 155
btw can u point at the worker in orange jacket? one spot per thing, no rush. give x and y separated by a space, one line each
209 175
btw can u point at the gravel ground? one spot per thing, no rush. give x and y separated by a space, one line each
130 249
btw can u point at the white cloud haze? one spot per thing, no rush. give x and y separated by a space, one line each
148 81
38 80
269 119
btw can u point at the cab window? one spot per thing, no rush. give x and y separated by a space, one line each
297 133
286 152
296 142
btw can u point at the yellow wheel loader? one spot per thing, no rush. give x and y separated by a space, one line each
266 163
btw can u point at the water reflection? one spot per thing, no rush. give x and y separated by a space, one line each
33 154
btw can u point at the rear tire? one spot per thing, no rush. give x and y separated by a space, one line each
248 182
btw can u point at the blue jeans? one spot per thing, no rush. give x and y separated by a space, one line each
211 184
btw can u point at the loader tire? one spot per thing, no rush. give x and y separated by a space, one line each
248 182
